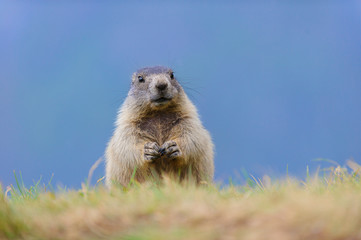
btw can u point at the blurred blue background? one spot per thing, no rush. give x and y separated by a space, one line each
277 84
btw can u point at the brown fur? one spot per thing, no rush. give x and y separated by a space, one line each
139 123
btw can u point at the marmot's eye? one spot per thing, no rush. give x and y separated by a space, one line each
141 79
172 75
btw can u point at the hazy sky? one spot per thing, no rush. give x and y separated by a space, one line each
277 84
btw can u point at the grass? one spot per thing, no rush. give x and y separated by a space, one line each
327 207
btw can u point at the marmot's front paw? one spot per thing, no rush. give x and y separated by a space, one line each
170 149
151 151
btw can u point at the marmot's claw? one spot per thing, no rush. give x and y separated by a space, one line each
175 154
171 149
151 151
150 157
151 145
162 151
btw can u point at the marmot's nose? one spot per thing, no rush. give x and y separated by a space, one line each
162 86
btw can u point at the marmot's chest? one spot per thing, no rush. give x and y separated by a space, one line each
160 127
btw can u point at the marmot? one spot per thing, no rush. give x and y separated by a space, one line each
158 131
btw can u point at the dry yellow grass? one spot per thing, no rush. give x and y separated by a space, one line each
321 208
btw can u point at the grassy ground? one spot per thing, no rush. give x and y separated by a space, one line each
327 207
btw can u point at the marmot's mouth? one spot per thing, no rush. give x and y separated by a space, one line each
162 100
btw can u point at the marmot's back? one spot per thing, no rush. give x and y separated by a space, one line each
158 132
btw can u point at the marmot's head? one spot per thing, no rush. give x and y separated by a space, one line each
155 87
